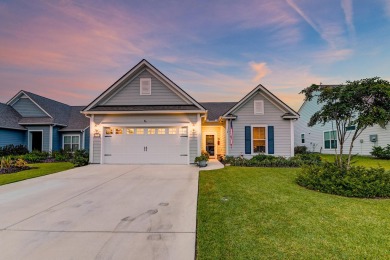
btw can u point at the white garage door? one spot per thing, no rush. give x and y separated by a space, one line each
146 145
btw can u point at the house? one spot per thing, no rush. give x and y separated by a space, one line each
42 124
144 117
323 138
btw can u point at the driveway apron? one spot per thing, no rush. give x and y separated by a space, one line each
102 212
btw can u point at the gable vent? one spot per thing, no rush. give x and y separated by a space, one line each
145 86
258 107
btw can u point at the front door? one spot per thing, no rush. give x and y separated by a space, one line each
210 145
36 141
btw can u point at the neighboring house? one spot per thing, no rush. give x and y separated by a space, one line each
323 138
144 117
42 124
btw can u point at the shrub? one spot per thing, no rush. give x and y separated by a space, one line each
13 150
8 165
381 153
35 156
307 159
356 181
61 155
80 158
300 150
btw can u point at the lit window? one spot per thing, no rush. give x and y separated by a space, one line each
330 140
259 136
118 131
183 131
71 143
161 131
172 131
302 138
109 131
151 131
130 131
140 131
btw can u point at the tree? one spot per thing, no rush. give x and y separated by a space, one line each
361 103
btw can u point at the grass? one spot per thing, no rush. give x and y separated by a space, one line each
39 169
361 161
261 213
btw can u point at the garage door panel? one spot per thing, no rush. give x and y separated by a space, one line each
153 146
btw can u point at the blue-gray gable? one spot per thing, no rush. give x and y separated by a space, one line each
27 108
129 93
9 118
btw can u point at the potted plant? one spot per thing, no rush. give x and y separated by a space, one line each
202 159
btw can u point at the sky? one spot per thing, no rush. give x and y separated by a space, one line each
216 50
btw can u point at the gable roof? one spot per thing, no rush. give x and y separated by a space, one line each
323 85
289 112
216 109
9 118
57 113
131 73
76 120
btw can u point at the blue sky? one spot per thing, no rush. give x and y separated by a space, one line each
71 51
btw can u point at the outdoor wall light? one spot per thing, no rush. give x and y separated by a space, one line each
97 133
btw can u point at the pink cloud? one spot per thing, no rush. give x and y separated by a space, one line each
260 69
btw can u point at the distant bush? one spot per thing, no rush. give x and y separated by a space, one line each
354 182
13 150
381 153
80 158
35 156
262 160
62 155
300 150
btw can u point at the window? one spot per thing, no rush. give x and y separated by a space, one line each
71 142
130 131
350 128
161 131
183 131
151 131
259 139
109 131
145 86
140 131
330 140
172 131
302 138
118 131
258 106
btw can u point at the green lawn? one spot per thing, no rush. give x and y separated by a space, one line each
362 161
260 213
39 169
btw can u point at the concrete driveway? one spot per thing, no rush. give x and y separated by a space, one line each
101 212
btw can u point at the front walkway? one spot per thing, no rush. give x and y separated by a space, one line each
213 164
102 212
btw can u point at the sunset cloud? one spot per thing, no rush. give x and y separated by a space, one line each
260 69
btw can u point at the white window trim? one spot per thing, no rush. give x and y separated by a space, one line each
149 80
323 140
29 139
266 138
261 104
63 141
304 137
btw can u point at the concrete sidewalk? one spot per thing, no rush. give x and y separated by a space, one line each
101 212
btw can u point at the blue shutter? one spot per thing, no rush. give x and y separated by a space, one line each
247 140
271 140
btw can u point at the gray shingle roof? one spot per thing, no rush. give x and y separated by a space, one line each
216 109
145 108
77 121
59 111
9 118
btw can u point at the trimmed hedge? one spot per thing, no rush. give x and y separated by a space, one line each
357 181
262 160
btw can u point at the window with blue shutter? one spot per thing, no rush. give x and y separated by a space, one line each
247 140
271 140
